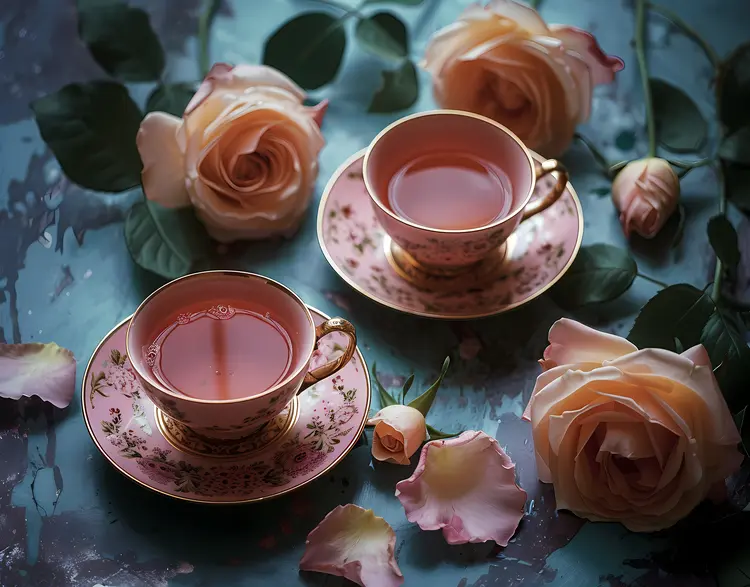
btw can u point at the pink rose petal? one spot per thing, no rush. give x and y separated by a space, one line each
603 67
45 370
466 487
354 543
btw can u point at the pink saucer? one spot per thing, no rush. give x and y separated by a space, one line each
313 434
539 252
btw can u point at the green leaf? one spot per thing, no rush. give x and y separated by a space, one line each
724 339
736 147
386 399
121 40
399 90
170 98
436 434
401 2
733 89
168 242
308 48
680 126
737 182
424 402
407 386
91 129
724 241
383 34
677 313
600 273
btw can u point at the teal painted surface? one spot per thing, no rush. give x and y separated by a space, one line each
105 530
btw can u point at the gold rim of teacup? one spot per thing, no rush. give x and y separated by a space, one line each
335 178
145 485
230 273
405 119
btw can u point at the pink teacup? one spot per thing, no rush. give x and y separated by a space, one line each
452 251
238 417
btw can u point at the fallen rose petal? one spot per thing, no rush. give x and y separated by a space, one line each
354 543
466 487
45 370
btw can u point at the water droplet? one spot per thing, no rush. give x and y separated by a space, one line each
231 372
218 372
268 315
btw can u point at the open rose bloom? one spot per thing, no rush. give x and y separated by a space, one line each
504 62
635 436
244 153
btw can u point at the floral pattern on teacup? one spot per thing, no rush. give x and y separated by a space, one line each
540 250
122 421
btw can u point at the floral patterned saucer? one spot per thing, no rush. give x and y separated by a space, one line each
538 254
311 435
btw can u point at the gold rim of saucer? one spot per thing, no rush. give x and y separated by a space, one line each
187 440
124 473
410 311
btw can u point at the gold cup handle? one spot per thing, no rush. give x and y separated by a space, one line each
332 325
541 204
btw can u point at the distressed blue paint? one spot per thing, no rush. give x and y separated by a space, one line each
121 526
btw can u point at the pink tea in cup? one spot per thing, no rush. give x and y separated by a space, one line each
449 190
220 351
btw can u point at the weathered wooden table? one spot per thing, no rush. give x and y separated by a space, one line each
66 276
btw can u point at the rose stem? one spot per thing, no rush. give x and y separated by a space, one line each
661 284
640 51
205 21
689 31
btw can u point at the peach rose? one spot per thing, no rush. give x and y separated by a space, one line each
646 193
504 62
635 436
399 432
244 153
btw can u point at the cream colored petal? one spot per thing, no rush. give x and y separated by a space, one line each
163 173
572 342
354 543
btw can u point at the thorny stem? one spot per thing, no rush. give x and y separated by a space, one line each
689 31
640 51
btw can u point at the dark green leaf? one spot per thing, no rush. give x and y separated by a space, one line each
400 89
724 339
91 129
602 191
401 2
407 386
733 89
737 182
121 40
743 426
723 239
678 312
680 126
600 273
736 147
170 98
308 48
436 434
424 402
168 242
383 34
386 399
